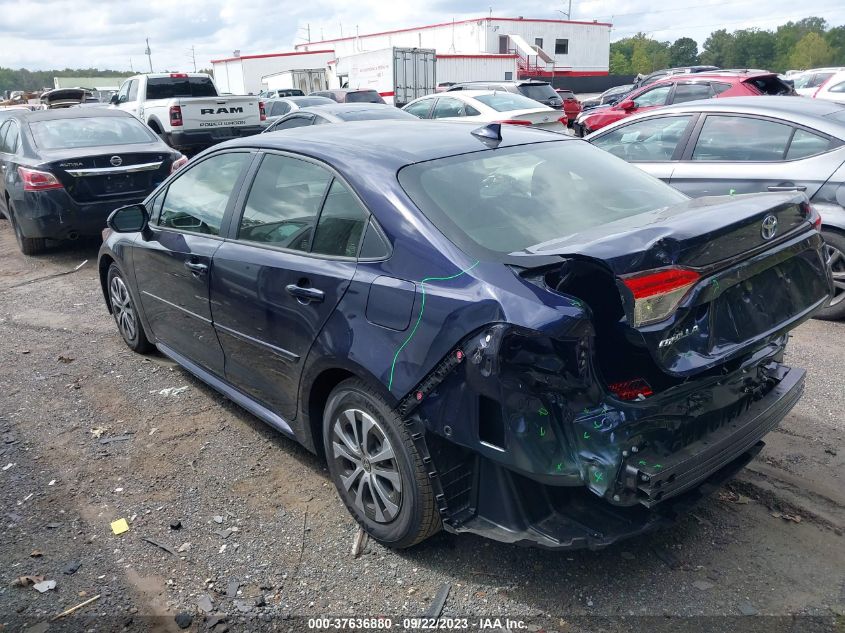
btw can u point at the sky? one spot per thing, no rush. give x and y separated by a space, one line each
48 34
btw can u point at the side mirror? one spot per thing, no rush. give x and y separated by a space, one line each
114 99
628 104
129 219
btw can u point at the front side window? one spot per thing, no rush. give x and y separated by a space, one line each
420 108
650 140
90 132
654 97
196 200
284 202
561 47
447 107
691 92
741 139
560 188
123 93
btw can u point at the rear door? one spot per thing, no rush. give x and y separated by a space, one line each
731 154
9 144
173 262
653 144
291 257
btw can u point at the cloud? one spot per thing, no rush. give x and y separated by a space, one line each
44 34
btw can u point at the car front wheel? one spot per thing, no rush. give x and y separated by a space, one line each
125 313
376 467
835 250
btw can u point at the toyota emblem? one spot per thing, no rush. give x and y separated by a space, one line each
116 161
769 227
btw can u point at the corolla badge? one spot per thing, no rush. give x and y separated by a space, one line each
116 161
769 227
677 337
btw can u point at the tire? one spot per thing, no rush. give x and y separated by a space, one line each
835 249
28 245
125 312
396 507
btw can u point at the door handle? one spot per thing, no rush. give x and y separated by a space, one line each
305 295
196 268
786 187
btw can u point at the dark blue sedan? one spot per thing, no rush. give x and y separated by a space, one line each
495 330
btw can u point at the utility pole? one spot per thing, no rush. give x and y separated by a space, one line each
131 67
149 54
194 58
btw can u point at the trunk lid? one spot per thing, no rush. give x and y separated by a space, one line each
123 172
220 114
747 285
542 117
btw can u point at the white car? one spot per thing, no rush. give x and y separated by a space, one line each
488 106
808 82
833 89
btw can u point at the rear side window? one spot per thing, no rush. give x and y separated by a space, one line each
691 92
341 224
173 87
840 87
294 121
279 108
196 200
283 202
805 144
741 139
447 107
9 138
506 101
650 140
719 87
654 97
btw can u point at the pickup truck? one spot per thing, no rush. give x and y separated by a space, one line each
186 110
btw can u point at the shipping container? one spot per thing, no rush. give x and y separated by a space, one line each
307 80
399 75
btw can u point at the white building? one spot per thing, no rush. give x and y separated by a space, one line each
242 75
542 47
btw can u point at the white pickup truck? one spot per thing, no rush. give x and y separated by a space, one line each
186 110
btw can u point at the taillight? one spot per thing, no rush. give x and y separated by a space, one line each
631 389
34 180
261 111
175 116
812 215
657 293
178 163
564 119
514 122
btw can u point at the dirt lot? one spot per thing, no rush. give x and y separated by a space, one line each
264 539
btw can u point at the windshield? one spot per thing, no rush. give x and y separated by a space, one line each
387 112
171 87
506 101
505 200
538 92
90 132
363 96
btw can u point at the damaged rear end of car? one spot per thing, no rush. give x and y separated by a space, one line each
655 383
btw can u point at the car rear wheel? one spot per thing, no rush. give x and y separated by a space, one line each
835 250
376 468
125 314
28 245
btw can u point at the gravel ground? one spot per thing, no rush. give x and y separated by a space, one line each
264 541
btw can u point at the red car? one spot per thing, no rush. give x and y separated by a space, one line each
571 105
682 88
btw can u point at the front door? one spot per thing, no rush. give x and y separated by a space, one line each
277 281
172 263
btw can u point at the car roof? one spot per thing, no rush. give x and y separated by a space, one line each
814 113
362 143
75 113
339 108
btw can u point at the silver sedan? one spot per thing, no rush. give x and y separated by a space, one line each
747 145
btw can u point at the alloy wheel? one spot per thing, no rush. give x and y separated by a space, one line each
836 262
367 465
121 304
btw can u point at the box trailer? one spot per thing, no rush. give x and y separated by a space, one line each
306 80
460 68
399 75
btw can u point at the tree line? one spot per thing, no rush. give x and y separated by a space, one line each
807 43
30 80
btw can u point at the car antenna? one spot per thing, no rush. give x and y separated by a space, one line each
490 134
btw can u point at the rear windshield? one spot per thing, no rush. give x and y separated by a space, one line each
770 85
172 87
538 92
304 102
508 199
363 96
566 94
506 101
387 112
89 132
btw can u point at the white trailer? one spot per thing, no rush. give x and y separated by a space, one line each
307 80
459 68
399 75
